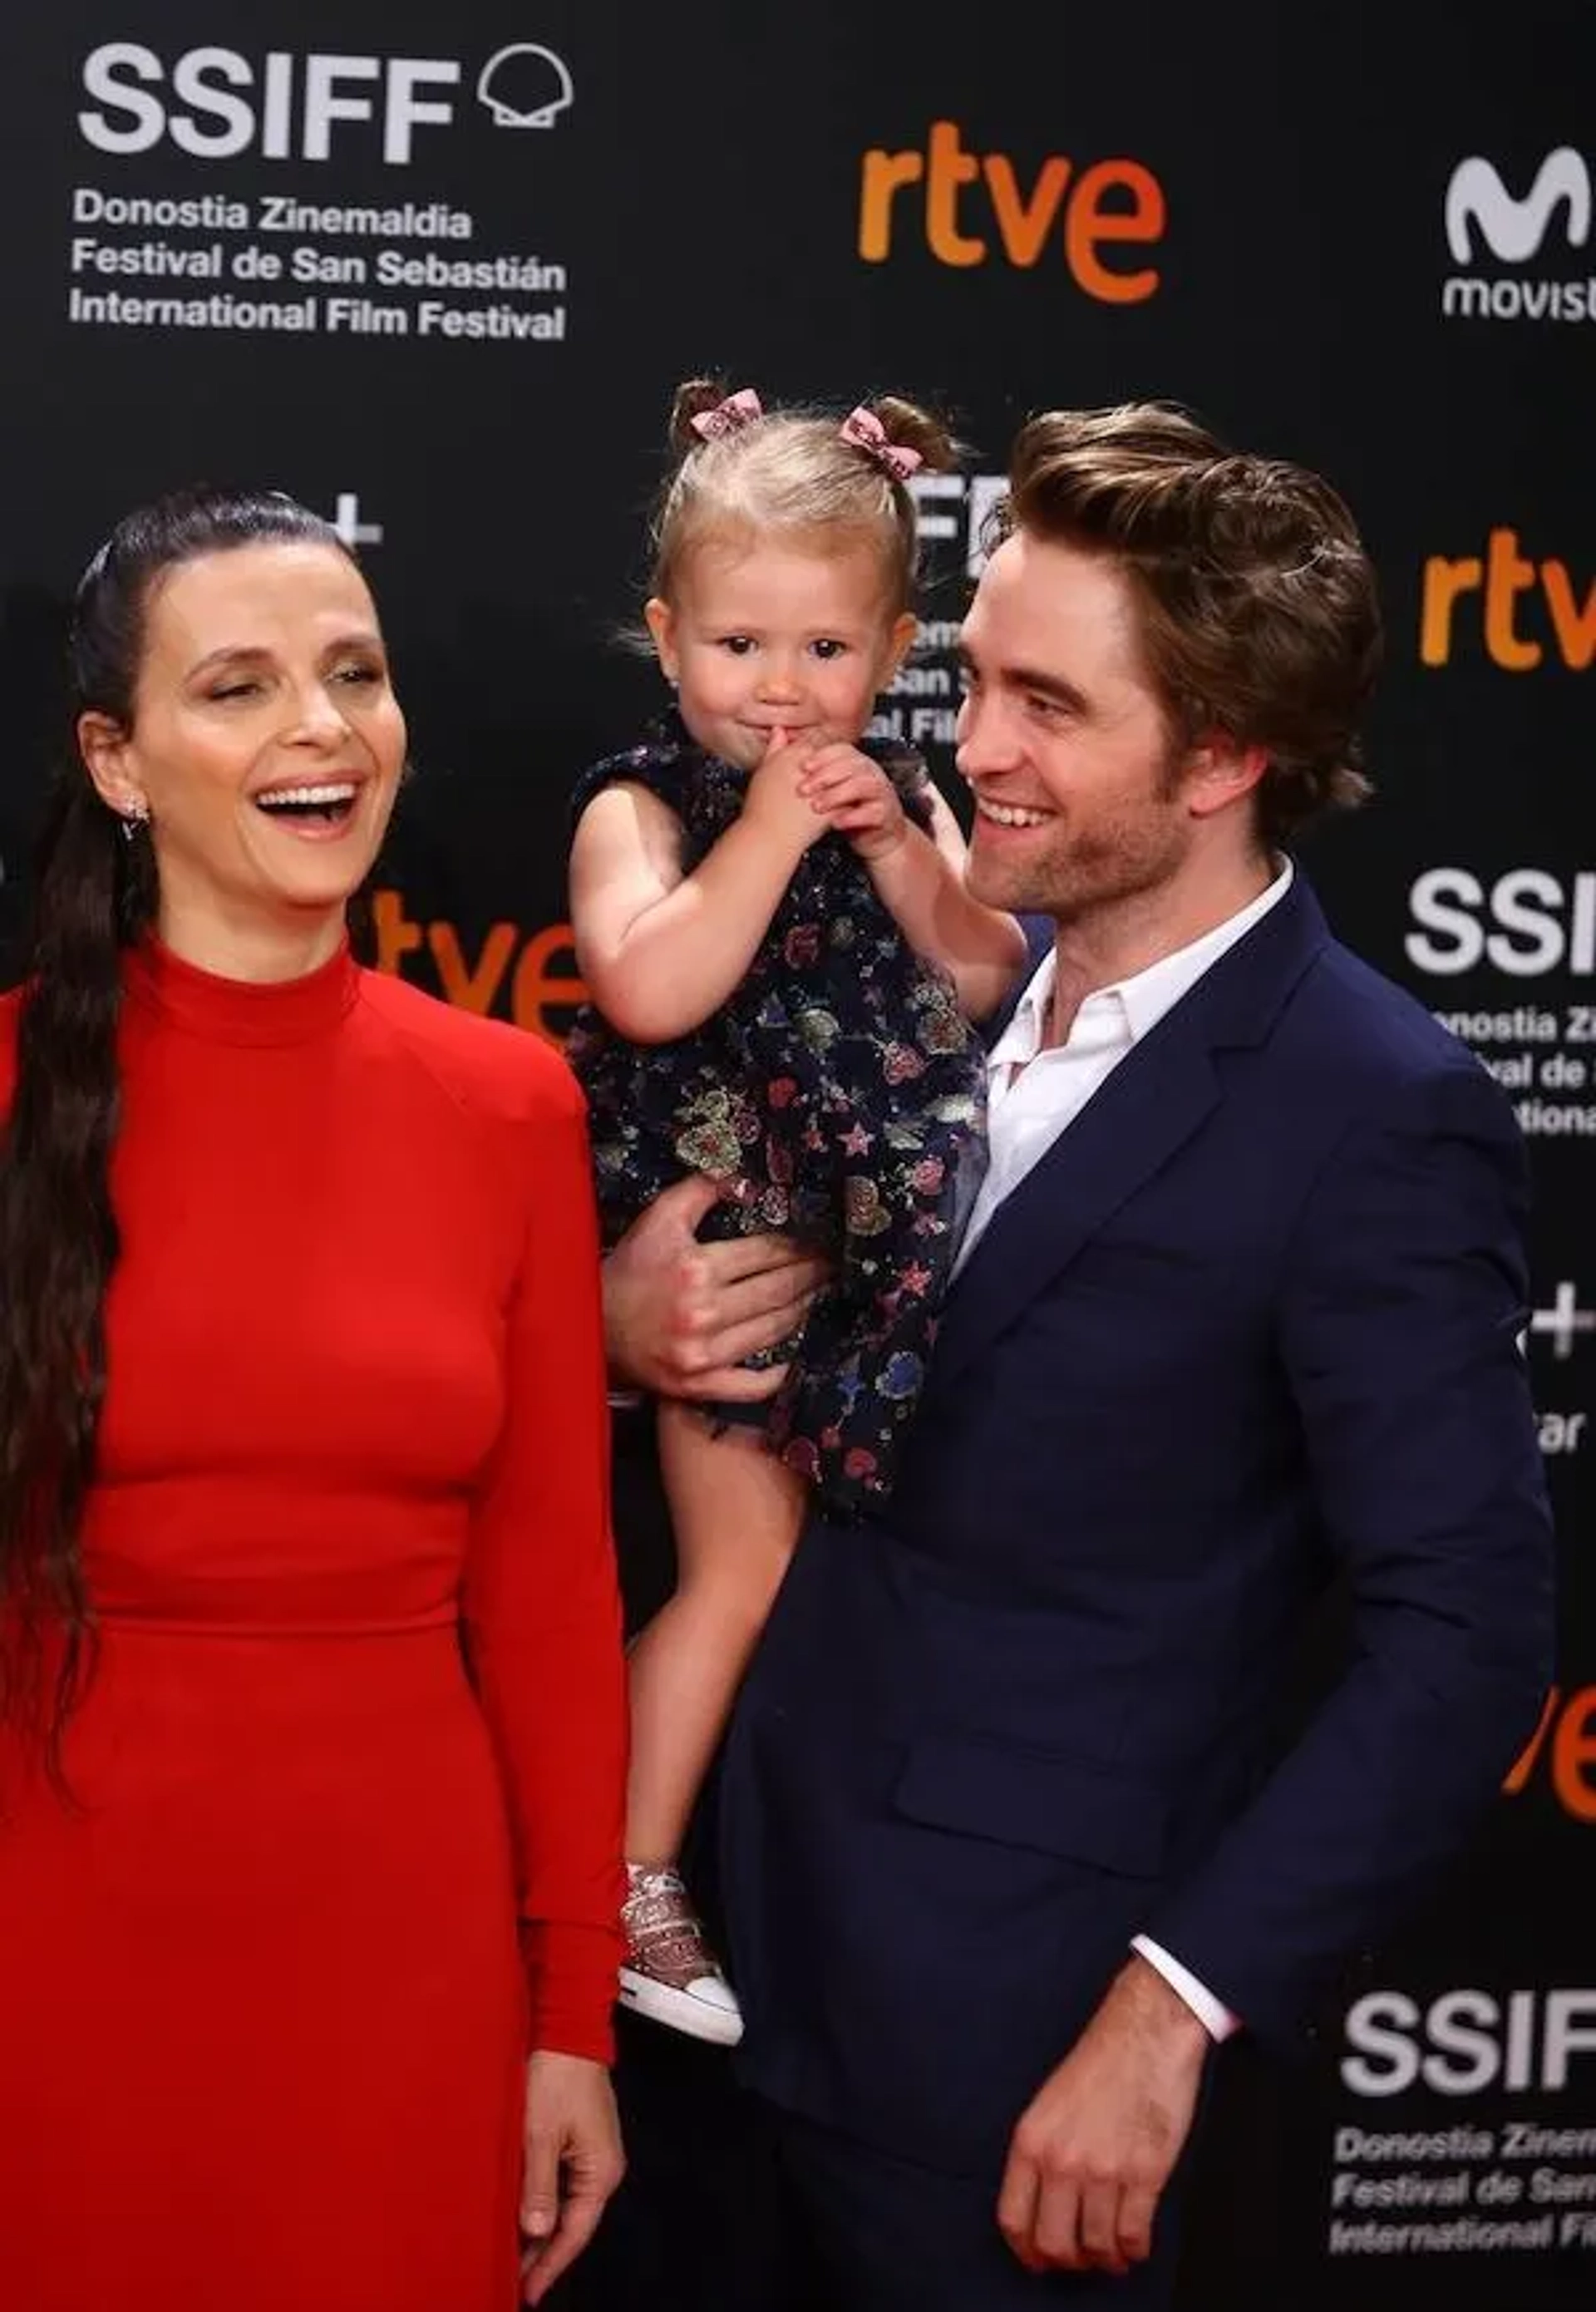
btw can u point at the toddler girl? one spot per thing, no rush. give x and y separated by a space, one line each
783 962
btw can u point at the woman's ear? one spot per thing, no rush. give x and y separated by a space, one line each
103 745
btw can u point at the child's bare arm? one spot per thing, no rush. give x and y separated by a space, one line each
920 877
661 950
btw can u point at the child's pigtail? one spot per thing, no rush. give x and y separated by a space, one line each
695 396
909 426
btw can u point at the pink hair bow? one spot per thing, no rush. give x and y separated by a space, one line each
865 431
728 416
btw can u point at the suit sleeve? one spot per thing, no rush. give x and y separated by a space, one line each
1401 1309
542 1606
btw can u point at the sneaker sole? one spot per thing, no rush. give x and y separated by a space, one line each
678 2010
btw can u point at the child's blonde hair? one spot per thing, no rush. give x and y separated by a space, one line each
794 471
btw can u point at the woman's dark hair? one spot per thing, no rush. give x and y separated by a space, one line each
95 893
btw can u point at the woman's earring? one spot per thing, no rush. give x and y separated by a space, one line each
135 818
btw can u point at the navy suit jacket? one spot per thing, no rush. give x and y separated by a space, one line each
1253 1318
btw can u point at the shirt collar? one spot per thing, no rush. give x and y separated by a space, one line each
1022 1039
1142 999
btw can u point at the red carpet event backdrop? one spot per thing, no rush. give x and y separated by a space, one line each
435 271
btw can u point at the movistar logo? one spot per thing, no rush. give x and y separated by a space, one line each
1495 236
1511 229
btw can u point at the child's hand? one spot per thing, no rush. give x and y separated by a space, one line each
777 802
855 796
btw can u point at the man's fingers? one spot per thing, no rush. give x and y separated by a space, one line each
733 1385
1055 2236
734 1259
1139 2205
708 1361
1100 2226
1017 2207
722 1304
761 1321
772 1300
754 1317
730 1384
772 1321
687 1201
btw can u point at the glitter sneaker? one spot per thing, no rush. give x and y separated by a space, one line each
670 1974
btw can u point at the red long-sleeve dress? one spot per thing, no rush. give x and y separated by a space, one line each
348 1783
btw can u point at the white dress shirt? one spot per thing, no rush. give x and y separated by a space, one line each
1034 1093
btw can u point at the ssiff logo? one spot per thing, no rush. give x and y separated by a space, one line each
1485 220
970 204
1526 923
216 102
1466 2042
1487 591
525 87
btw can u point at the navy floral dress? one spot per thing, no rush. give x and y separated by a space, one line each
840 1090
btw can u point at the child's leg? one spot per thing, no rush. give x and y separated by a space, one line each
736 1510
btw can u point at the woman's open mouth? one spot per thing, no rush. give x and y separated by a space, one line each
315 808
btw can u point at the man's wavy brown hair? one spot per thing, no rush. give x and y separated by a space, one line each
1257 608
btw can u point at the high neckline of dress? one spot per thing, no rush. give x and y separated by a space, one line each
243 1011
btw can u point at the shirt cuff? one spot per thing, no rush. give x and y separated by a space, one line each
1212 2013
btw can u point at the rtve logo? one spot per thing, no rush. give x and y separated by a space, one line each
1484 219
1109 201
1501 579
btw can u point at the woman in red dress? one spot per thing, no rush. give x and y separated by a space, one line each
311 1719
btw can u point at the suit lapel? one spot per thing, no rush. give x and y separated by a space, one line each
1150 1105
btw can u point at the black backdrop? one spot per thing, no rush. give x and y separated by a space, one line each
1358 237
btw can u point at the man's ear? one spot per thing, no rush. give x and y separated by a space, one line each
1219 774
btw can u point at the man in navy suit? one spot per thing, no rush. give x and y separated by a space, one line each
1009 1842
